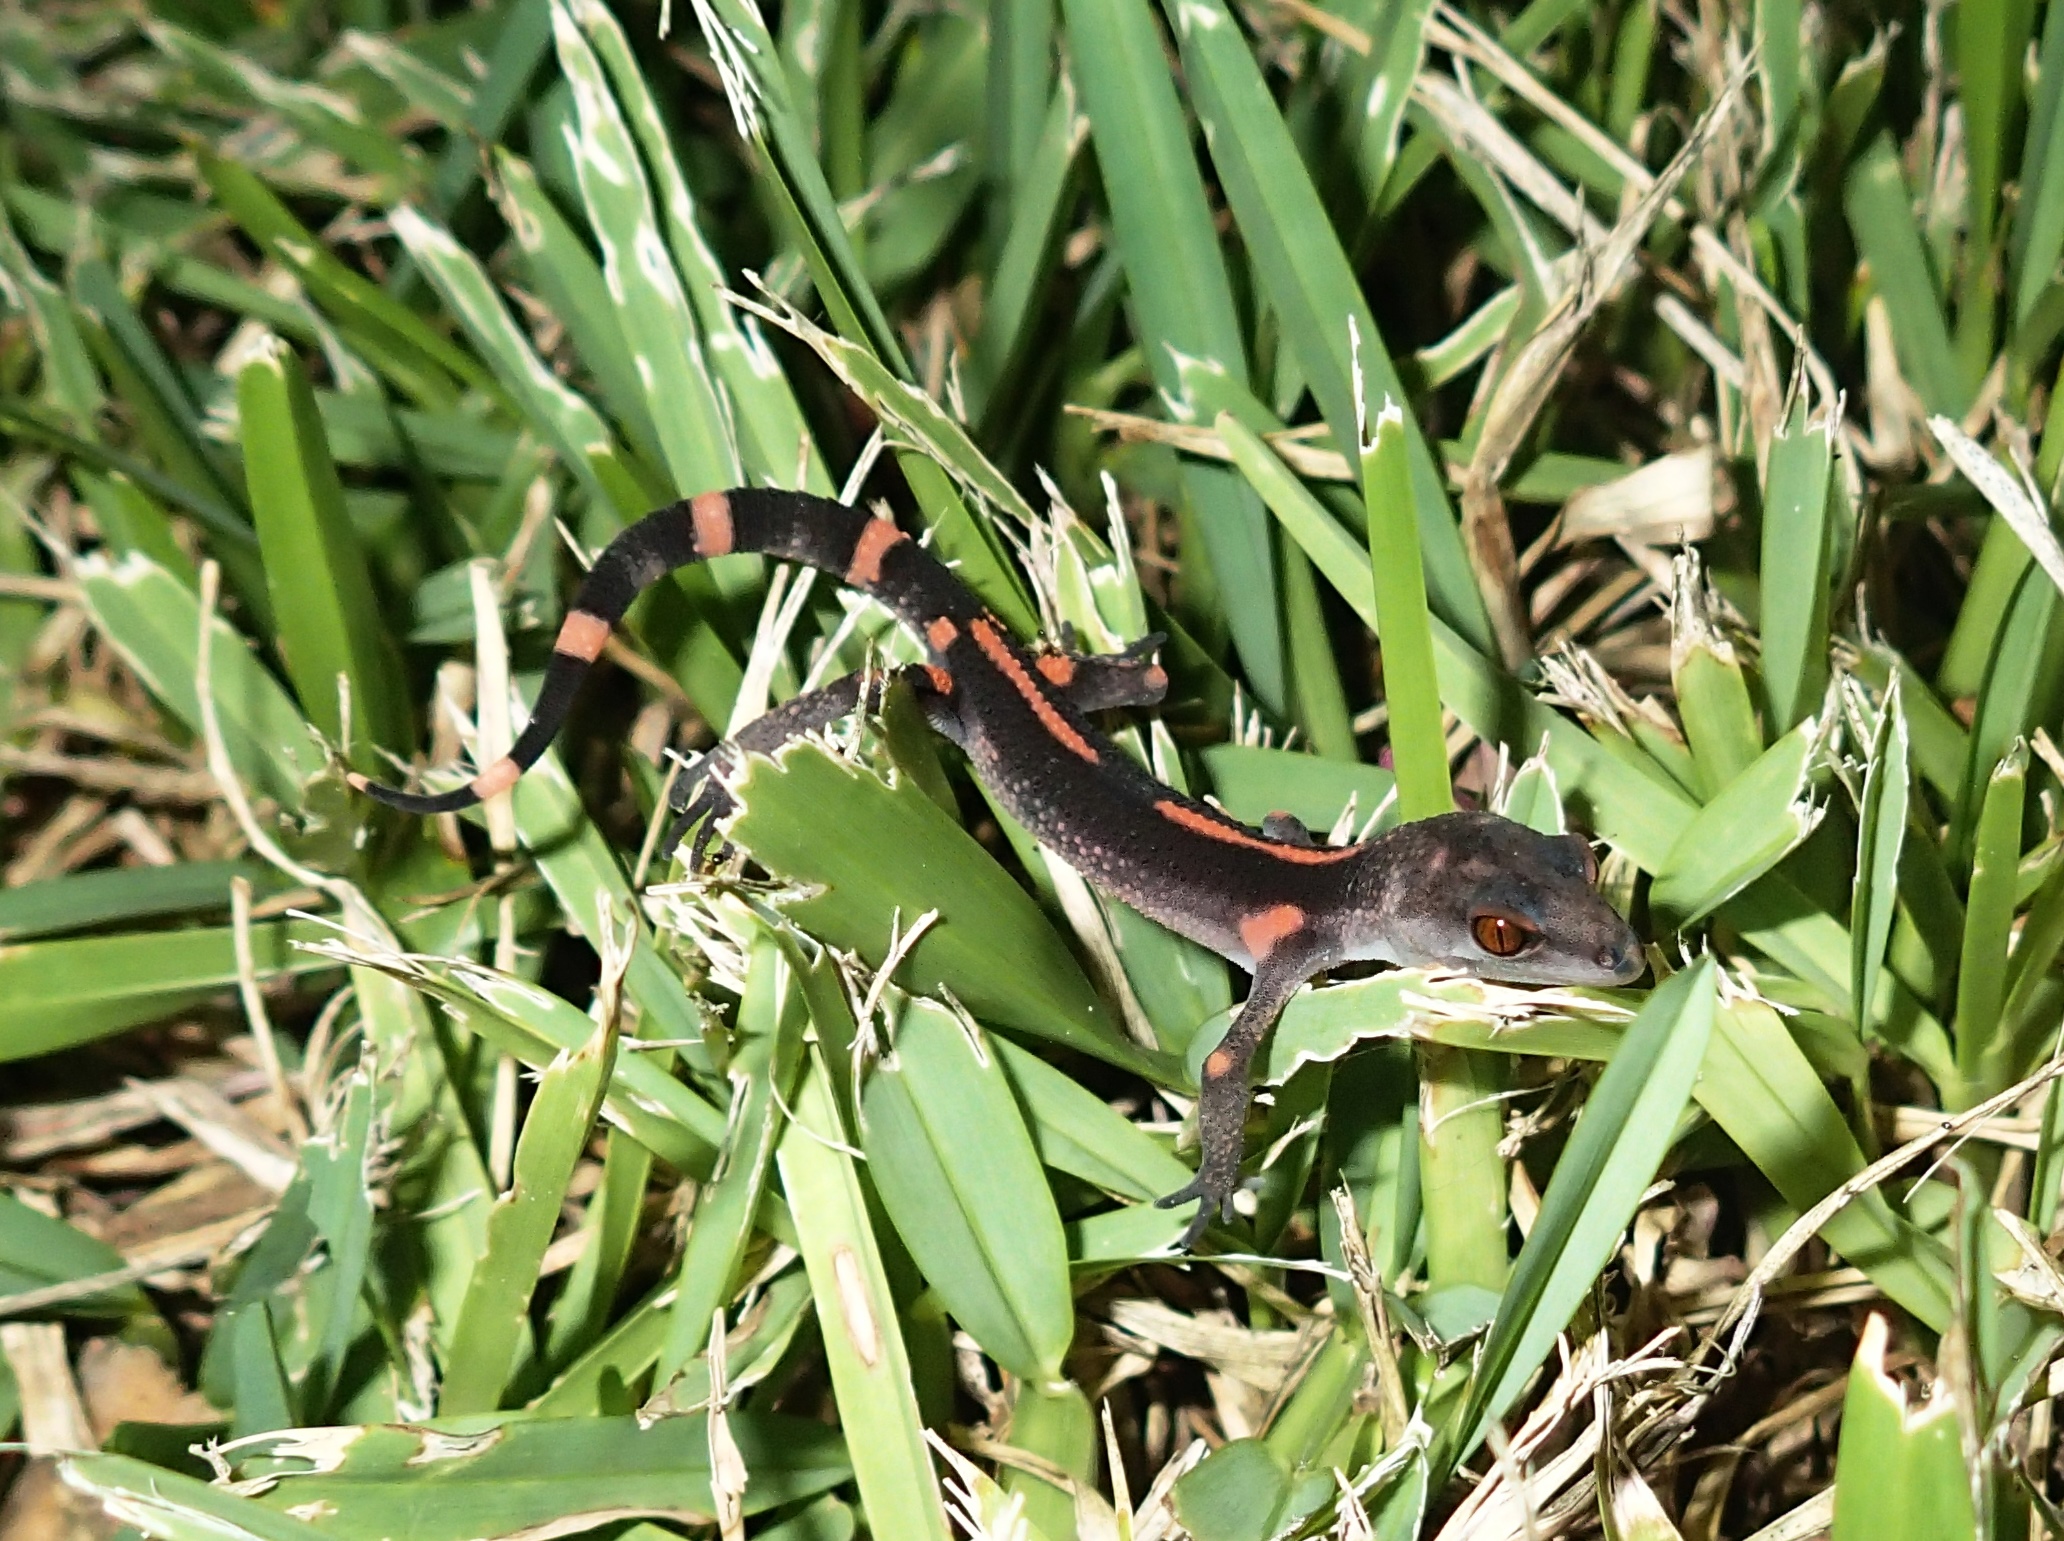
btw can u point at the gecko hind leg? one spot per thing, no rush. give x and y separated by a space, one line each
1223 1096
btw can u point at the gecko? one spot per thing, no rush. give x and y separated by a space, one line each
1467 891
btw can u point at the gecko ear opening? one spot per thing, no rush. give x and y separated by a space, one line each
1586 853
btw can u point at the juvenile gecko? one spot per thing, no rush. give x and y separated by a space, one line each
1467 891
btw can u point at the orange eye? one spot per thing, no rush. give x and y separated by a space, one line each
1500 935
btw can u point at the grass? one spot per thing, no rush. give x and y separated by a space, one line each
1637 419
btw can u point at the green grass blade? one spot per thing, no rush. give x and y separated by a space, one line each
68 377
863 1338
339 1168
1798 510
387 334
961 1180
492 1325
1881 217
154 621
170 1506
1634 811
513 1476
63 993
774 440
1307 278
1077 1132
763 1073
81 901
1989 920
1900 1470
1417 743
1629 1121
559 415
1760 1088
1991 44
587 877
326 117
1180 295
868 854
166 414
1756 820
1042 195
330 626
1881 833
39 1250
659 328
2021 676
2036 241
582 1310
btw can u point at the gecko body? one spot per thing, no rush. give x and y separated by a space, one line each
1468 891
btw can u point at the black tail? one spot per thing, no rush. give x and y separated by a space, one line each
870 555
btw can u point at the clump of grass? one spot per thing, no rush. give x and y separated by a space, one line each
1634 419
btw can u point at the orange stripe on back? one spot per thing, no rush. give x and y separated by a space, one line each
582 635
941 634
1261 931
876 537
711 513
1231 833
998 652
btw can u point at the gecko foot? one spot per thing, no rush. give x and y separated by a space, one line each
1215 1190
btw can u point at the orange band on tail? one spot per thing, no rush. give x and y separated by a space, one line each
582 636
877 536
711 512
497 778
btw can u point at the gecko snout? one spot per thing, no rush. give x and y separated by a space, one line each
1623 960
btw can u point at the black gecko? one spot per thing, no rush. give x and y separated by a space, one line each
1468 891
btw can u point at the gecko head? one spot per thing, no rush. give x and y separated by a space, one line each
1491 897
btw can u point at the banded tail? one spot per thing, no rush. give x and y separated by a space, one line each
867 554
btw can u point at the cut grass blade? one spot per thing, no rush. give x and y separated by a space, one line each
1753 824
1900 1472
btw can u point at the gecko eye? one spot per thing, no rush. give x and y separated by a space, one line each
1502 936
